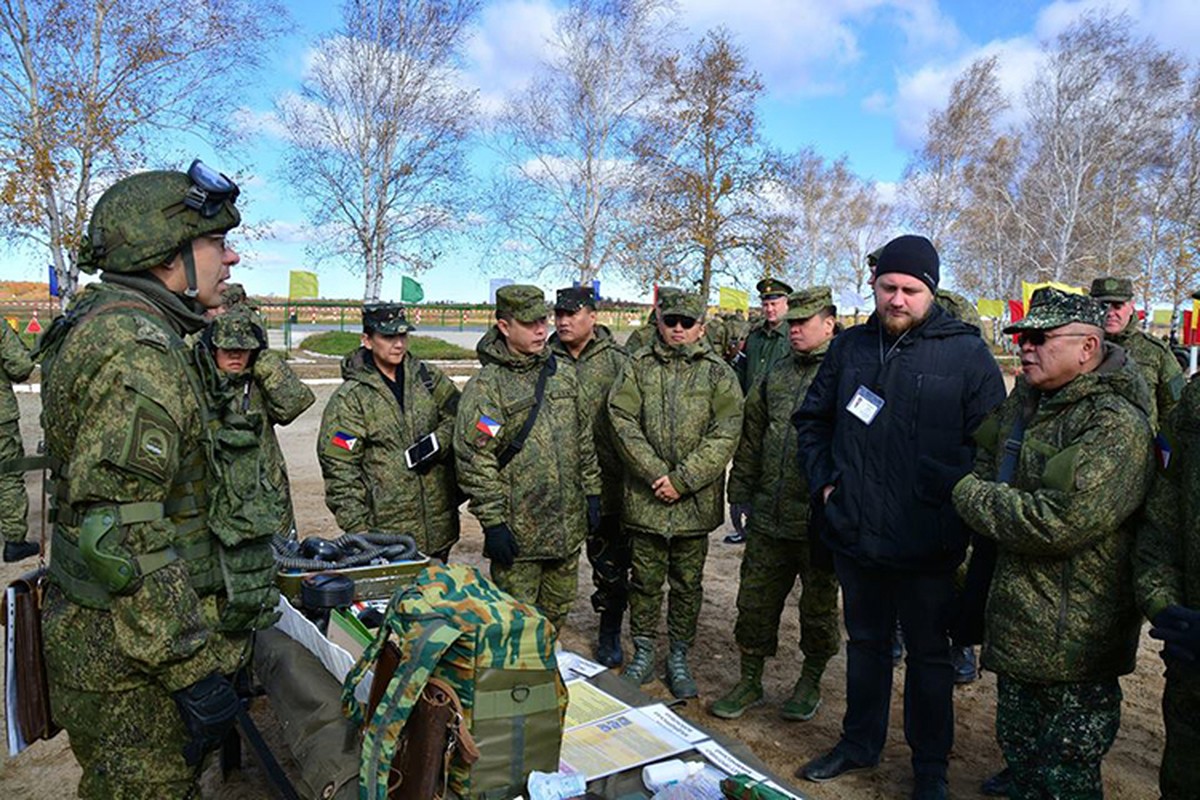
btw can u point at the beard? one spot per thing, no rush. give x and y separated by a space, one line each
897 325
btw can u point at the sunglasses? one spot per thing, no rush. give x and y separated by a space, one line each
209 190
678 320
1039 338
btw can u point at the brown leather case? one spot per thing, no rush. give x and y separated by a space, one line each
434 733
33 688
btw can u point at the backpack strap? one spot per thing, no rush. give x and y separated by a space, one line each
381 733
539 391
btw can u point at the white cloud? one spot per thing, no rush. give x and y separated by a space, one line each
258 123
885 191
928 88
1174 24
803 46
509 42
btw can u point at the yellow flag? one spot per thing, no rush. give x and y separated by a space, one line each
1027 290
733 299
993 309
1163 316
302 285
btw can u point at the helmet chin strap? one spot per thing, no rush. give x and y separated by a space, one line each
189 271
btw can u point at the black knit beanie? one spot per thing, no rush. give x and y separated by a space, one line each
912 255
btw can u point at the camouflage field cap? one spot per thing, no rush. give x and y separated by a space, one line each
234 294
574 298
522 302
772 287
142 221
1051 308
680 303
237 330
1112 289
385 318
806 302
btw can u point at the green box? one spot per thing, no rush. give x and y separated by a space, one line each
371 582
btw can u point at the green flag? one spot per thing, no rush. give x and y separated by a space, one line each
302 285
410 291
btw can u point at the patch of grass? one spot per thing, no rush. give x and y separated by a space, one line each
339 343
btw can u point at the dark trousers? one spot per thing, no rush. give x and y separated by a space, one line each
608 553
873 599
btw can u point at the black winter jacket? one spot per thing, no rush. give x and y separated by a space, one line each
938 384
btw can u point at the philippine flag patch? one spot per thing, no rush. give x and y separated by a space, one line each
344 440
488 426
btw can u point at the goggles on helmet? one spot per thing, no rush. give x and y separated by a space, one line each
209 190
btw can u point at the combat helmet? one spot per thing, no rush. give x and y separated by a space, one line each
143 220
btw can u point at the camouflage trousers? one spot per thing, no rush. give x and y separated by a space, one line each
14 502
549 585
1055 735
1179 778
129 744
608 553
769 570
656 560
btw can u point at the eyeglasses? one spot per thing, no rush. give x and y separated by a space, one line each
209 190
674 320
1039 338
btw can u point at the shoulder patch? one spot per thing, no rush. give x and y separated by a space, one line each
150 442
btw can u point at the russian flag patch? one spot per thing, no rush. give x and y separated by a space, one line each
344 440
488 426
1162 451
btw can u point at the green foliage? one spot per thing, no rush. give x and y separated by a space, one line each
339 343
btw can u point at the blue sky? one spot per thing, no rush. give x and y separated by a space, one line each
847 77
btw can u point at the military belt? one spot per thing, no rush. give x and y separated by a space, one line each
70 572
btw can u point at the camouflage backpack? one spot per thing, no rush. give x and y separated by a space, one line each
496 653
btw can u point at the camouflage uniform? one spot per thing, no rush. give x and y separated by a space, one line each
364 433
540 495
959 307
15 366
270 390
1061 622
677 412
596 369
1167 573
766 475
642 336
124 412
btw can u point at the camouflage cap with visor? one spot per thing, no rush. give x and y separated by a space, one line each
1118 290
807 302
387 319
1051 308
237 329
522 302
680 303
573 298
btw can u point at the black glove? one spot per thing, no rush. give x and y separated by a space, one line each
1179 628
593 511
938 478
208 708
499 544
739 515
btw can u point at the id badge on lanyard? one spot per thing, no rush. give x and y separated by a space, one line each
865 405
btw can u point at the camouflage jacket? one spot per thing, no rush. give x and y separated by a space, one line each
15 366
958 307
124 417
677 412
364 433
597 369
1061 604
642 336
1167 553
541 492
1160 369
763 347
272 390
766 468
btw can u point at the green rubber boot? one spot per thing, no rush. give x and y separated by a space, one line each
679 677
640 668
806 697
745 694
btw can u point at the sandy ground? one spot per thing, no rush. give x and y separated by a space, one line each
48 769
